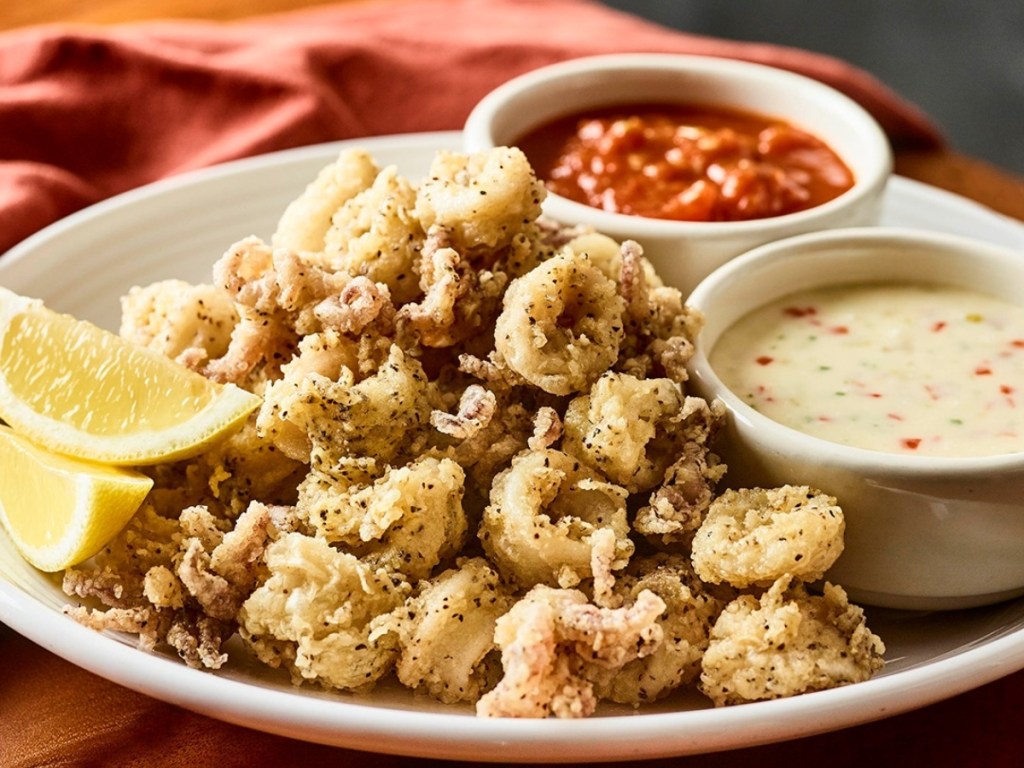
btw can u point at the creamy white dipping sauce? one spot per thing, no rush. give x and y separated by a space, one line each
901 368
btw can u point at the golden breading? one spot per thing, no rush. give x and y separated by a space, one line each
459 301
376 234
755 536
660 328
786 643
304 224
446 633
489 450
690 611
627 429
177 581
483 199
542 516
236 471
382 416
561 325
188 323
408 521
115 576
325 354
317 613
677 507
606 254
548 639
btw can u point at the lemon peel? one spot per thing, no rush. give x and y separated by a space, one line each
59 510
82 391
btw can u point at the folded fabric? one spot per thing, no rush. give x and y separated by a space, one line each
87 112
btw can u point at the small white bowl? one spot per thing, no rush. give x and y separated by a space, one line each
685 252
922 533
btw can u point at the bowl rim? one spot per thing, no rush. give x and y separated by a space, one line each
479 135
799 445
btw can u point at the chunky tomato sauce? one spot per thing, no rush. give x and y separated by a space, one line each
691 163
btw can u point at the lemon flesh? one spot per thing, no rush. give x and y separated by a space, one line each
58 510
79 390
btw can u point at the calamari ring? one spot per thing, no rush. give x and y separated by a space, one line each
544 511
561 324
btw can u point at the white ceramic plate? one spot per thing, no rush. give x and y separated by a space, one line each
177 228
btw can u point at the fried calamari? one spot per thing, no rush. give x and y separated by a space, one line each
476 468
786 643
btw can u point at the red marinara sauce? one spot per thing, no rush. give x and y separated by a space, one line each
685 162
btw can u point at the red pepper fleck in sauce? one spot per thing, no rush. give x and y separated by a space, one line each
891 382
765 360
685 162
799 311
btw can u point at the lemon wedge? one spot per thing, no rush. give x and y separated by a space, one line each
79 390
58 510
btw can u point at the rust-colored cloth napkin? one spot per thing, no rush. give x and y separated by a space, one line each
86 113
89 112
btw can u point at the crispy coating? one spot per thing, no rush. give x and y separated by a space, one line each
459 301
221 577
305 222
277 284
408 521
550 636
376 234
606 254
487 451
786 643
690 611
382 416
677 507
175 581
187 323
482 199
264 335
115 576
753 537
659 327
241 468
438 361
627 428
317 614
446 633
360 304
544 511
325 354
561 325
476 409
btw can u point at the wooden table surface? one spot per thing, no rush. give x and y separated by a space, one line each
998 189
